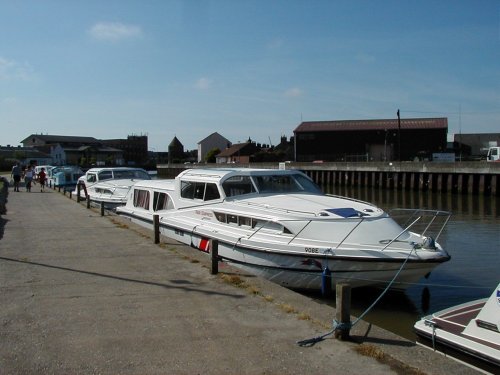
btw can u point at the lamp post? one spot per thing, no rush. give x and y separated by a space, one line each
399 137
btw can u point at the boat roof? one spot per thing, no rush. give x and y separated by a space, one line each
217 174
100 169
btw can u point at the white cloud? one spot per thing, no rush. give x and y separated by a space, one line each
203 84
10 69
114 31
293 92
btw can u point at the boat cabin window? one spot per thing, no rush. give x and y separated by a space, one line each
141 198
238 185
91 177
105 175
199 190
162 201
245 221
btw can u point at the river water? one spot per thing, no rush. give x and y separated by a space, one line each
472 238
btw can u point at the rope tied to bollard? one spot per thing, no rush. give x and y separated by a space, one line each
337 326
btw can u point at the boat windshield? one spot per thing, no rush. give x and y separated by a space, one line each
269 184
139 174
285 184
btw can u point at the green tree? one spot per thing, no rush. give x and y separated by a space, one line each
210 158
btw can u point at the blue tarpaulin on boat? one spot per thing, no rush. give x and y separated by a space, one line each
344 212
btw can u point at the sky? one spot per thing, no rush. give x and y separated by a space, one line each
243 68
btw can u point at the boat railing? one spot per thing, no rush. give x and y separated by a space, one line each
276 209
427 223
432 222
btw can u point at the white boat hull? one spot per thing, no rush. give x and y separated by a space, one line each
301 270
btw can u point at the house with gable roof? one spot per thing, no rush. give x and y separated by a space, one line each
213 141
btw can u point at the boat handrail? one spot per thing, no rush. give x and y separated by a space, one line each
348 234
399 235
361 219
425 212
263 205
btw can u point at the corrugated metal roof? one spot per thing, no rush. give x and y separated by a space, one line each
383 124
61 138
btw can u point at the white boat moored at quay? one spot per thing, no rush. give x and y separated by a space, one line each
278 224
109 185
472 328
65 176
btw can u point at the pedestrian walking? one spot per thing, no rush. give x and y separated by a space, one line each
42 177
16 176
28 178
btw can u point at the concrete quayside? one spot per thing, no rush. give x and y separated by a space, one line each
85 293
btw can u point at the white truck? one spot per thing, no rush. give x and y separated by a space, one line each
493 154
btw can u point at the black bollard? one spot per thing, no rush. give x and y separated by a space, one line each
156 227
214 250
326 282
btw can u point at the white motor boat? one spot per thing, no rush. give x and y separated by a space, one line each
65 176
109 185
278 224
471 328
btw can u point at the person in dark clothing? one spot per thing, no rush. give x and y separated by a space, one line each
16 176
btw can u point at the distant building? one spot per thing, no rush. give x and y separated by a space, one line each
475 145
237 153
24 155
370 140
213 141
175 151
135 148
75 150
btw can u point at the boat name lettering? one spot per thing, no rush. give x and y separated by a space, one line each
312 250
204 213
179 233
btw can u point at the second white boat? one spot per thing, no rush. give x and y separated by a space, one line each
278 224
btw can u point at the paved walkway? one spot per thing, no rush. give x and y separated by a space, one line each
81 293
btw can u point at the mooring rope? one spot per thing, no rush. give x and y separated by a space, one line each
347 326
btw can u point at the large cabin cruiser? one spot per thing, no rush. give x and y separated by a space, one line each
109 185
278 224
472 328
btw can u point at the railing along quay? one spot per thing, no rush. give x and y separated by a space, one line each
460 177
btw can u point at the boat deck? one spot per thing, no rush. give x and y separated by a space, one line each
455 320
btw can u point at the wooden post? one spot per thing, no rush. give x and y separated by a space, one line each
156 227
343 313
78 192
214 251
70 194
102 208
88 201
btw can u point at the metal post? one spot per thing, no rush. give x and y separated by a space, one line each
399 137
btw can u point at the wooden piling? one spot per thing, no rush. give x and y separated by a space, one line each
102 208
156 227
343 313
214 251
